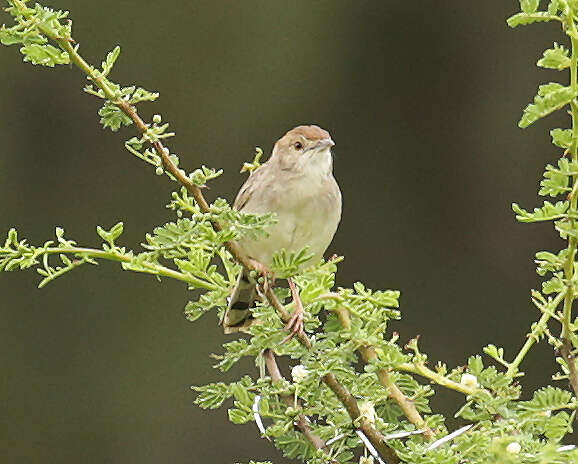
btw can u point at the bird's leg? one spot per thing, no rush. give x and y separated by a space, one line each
295 323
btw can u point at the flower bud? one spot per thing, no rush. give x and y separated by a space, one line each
367 410
159 171
469 380
299 373
157 118
513 447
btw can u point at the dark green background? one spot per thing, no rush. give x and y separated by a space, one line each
422 99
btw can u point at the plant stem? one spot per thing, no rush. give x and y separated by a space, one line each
435 377
155 269
301 422
250 265
567 347
369 354
532 337
350 403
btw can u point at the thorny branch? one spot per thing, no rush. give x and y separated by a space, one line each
344 396
301 420
368 354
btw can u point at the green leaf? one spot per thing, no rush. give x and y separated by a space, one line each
140 95
286 264
111 235
45 55
529 6
554 285
239 416
496 353
547 212
554 6
108 63
113 117
550 98
561 137
250 167
566 228
556 179
523 19
555 58
546 399
213 395
549 262
201 176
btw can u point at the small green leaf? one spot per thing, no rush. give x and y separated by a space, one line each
554 6
529 6
108 63
238 416
212 396
550 98
561 137
45 55
286 264
547 212
140 95
555 58
523 19
556 179
113 117
554 285
250 167
111 235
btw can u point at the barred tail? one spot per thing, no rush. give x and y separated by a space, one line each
238 317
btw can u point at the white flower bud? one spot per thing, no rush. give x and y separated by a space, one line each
367 410
157 118
159 171
299 373
469 380
366 460
513 447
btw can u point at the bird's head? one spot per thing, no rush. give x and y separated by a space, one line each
304 148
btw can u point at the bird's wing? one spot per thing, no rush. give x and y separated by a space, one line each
254 183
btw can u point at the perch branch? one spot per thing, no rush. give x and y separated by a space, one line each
301 420
372 434
369 354
350 404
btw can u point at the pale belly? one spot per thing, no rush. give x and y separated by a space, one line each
305 219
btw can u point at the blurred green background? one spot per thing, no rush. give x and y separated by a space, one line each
422 99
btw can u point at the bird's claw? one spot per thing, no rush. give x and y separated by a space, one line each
295 325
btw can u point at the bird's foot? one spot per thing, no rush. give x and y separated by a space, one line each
295 324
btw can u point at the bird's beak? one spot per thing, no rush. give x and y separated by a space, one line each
328 142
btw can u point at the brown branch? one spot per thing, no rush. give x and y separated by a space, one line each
350 403
372 434
566 352
301 422
369 354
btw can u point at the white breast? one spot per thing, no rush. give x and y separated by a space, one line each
308 209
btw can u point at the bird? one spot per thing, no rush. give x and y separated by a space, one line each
297 185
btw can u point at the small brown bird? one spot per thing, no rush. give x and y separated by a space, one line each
296 184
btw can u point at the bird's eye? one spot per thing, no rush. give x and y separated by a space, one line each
298 146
